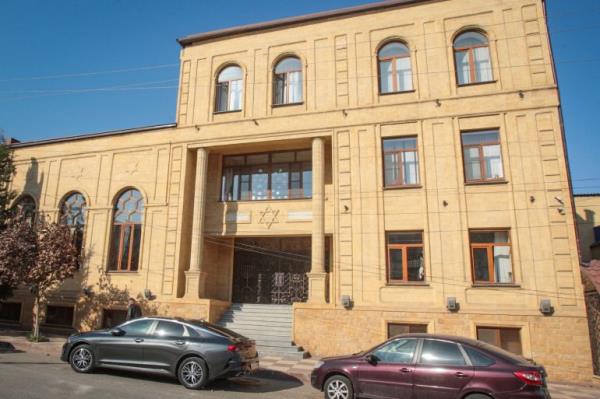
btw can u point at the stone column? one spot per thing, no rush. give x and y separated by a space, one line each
195 278
317 277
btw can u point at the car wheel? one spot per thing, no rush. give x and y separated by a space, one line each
338 387
82 359
193 373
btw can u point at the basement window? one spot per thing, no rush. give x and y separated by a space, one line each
506 338
394 329
10 311
60 316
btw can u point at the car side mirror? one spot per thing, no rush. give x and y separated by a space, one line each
117 332
371 359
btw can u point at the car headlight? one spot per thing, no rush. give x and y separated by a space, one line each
319 364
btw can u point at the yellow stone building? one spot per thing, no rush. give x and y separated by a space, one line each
398 166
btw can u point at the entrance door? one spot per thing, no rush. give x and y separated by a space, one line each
271 270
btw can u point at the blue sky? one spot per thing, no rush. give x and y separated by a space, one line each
39 39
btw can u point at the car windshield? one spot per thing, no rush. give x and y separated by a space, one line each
216 329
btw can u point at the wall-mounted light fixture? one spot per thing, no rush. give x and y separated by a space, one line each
452 305
87 291
546 307
347 302
149 295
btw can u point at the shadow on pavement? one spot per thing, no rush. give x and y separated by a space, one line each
263 381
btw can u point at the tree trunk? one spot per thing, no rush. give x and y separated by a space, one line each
36 319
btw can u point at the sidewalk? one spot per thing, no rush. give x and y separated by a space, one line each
300 369
20 342
570 391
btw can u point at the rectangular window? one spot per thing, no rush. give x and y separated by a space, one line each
266 176
124 247
401 162
10 311
59 316
113 317
405 257
482 156
394 329
491 257
506 338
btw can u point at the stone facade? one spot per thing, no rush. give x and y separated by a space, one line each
188 232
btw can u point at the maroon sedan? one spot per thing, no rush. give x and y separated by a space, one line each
426 366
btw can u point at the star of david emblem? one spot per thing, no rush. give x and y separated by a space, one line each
269 216
78 174
130 170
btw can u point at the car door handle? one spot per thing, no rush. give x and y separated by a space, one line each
460 375
138 340
179 342
405 370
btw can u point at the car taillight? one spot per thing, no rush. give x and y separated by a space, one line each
232 348
530 377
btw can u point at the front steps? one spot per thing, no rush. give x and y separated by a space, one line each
270 326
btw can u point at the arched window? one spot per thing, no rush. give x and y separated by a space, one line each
73 211
472 58
230 89
395 71
126 232
24 208
287 81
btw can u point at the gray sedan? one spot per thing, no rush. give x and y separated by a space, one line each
196 352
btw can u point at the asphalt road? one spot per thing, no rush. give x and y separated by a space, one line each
25 375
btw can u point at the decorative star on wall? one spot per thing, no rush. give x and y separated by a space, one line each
131 169
78 173
269 216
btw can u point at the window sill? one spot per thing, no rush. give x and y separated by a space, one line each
485 182
476 83
407 284
58 326
264 200
10 322
286 105
495 285
391 93
122 272
226 112
404 187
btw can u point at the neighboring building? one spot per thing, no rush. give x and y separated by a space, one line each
588 225
370 165
588 217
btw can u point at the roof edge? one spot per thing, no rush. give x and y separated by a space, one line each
276 23
85 136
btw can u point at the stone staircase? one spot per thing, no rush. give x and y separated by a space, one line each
270 326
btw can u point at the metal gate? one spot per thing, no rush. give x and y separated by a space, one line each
271 270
